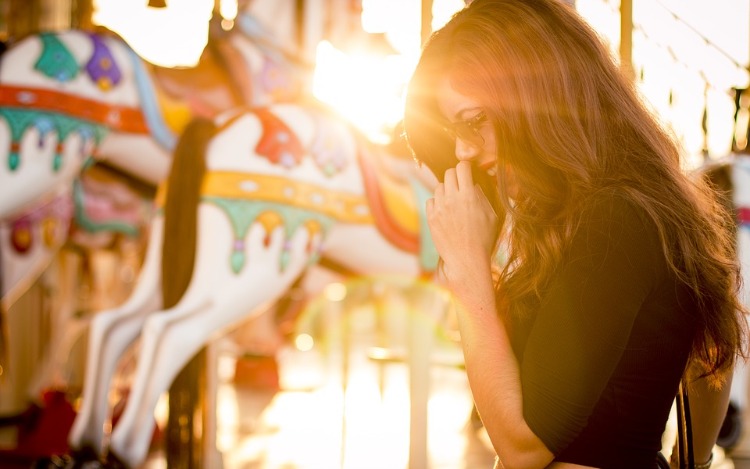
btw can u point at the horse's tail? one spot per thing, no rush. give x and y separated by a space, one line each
180 208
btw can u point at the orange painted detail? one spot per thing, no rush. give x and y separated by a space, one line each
392 205
118 118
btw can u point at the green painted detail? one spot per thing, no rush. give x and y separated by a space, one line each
92 226
285 259
20 120
13 161
56 61
428 255
57 162
243 213
237 261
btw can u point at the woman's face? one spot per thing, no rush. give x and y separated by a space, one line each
465 121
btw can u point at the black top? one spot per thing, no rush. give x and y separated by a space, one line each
602 357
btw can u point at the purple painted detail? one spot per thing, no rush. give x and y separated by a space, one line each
287 160
239 245
102 67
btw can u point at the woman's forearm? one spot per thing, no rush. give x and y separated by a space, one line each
494 376
708 408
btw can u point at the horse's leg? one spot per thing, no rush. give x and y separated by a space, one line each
172 337
111 332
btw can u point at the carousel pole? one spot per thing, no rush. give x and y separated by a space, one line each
81 16
419 339
626 38
183 436
426 26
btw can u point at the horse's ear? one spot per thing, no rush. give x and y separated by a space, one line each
719 176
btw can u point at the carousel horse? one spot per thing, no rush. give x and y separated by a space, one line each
75 99
278 188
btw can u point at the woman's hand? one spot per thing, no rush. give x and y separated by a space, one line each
463 225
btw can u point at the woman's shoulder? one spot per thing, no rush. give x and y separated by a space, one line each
615 218
614 225
613 207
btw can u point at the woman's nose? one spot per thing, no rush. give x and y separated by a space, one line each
465 151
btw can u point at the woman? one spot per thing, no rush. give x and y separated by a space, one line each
621 268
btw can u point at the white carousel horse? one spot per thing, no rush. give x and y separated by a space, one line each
71 96
283 185
74 98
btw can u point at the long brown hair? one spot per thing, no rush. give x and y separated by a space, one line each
572 126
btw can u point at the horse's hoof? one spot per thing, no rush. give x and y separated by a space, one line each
54 462
111 461
85 458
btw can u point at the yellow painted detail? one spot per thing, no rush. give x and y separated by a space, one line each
341 206
49 230
400 203
176 112
270 220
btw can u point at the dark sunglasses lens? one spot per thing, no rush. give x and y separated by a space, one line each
469 133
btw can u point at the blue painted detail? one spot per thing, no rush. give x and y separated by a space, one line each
150 106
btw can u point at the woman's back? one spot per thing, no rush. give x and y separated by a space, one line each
602 355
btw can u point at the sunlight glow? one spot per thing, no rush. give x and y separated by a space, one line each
368 90
365 89
174 36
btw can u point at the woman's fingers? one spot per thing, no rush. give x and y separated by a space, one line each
463 175
458 178
449 181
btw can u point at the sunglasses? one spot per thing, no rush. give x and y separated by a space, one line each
468 130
